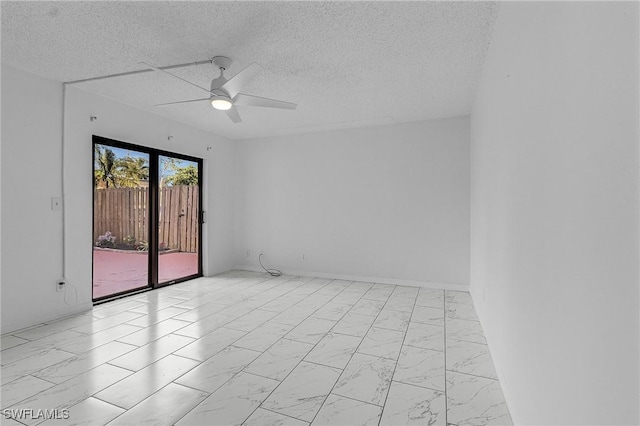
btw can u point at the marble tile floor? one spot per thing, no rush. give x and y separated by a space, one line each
244 348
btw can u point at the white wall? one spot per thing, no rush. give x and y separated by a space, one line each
554 210
31 231
0 193
389 203
31 168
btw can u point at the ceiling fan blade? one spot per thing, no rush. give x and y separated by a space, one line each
257 101
175 76
182 102
235 83
233 115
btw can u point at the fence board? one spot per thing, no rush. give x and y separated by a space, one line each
192 232
144 224
162 197
124 212
174 225
188 216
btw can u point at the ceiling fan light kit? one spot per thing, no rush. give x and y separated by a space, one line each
224 93
221 102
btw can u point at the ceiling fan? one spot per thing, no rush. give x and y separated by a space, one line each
225 93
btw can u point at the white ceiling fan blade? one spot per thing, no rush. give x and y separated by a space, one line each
175 76
233 115
257 101
235 83
182 102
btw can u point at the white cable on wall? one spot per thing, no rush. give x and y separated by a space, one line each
62 194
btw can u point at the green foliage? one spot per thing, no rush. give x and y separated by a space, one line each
112 172
109 171
168 166
187 175
130 171
105 167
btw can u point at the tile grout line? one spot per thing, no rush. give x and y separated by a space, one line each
356 350
275 412
243 369
135 371
140 402
446 398
233 342
99 390
314 346
404 337
302 359
419 386
257 286
474 375
230 306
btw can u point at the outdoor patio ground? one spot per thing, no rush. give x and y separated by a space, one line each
117 271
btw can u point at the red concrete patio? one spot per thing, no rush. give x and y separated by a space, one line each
115 271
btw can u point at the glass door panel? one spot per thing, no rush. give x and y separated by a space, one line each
178 218
120 220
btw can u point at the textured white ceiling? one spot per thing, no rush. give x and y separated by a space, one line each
346 64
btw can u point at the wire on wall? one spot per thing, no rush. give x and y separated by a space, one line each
272 272
62 191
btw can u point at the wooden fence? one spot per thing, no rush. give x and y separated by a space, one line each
124 212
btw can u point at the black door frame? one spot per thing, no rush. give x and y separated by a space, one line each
154 154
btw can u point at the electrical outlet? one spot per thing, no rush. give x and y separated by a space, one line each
303 256
60 284
248 253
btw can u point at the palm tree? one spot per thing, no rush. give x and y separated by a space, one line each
105 167
132 170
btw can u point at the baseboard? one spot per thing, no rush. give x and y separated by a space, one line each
394 281
21 325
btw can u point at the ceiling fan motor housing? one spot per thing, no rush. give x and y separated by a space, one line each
219 93
217 83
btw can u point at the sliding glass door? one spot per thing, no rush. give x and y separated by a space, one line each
178 218
120 220
146 218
